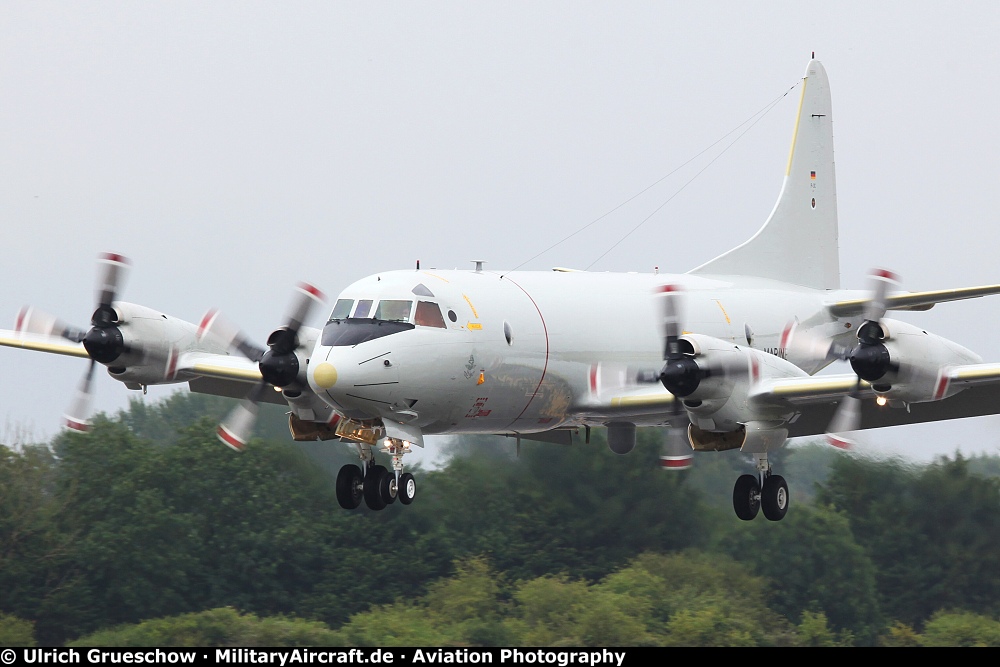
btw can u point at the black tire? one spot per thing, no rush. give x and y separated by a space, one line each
387 487
774 498
373 483
746 497
407 488
350 487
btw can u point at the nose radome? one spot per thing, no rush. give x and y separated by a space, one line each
324 375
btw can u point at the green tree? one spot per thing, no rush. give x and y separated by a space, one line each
38 577
815 567
214 628
16 632
556 611
961 628
931 532
702 599
580 509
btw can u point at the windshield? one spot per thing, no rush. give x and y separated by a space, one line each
353 331
390 310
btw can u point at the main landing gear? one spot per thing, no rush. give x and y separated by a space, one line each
763 491
376 485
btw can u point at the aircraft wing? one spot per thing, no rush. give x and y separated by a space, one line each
645 405
815 399
912 300
42 343
224 375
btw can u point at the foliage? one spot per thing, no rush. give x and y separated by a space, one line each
961 628
16 632
702 599
683 600
147 517
815 566
931 533
899 635
223 627
580 509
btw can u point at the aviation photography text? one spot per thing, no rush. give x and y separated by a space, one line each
283 657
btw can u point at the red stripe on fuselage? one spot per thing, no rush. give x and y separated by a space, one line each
545 367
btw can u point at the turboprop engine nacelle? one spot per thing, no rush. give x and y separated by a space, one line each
142 345
720 401
907 361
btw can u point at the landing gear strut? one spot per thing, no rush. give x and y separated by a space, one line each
763 491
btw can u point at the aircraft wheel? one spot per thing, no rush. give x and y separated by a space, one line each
407 488
774 498
387 488
373 484
350 487
746 497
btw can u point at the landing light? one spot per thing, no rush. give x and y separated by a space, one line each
881 401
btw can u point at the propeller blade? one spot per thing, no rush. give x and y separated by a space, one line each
677 452
307 296
216 326
77 418
110 277
670 320
845 420
805 348
34 321
237 428
881 280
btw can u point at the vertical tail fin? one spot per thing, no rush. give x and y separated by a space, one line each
798 243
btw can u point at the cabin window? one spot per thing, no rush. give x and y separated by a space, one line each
391 310
364 308
428 315
342 309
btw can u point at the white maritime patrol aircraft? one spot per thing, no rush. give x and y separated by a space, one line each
725 355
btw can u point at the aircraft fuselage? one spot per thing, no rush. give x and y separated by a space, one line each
527 351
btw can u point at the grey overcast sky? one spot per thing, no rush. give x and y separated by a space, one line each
231 149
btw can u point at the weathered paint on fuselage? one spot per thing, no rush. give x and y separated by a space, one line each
469 378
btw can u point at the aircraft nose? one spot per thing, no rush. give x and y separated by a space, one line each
352 377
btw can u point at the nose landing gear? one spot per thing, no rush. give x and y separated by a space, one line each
375 484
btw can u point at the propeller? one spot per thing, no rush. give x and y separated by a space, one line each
103 342
278 363
680 374
869 357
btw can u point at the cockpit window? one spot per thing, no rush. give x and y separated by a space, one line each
391 310
428 315
421 290
364 307
342 310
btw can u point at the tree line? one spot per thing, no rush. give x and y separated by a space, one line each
147 530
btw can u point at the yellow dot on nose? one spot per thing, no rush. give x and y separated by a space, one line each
325 375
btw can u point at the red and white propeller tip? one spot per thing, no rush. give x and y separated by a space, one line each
110 277
881 281
237 429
